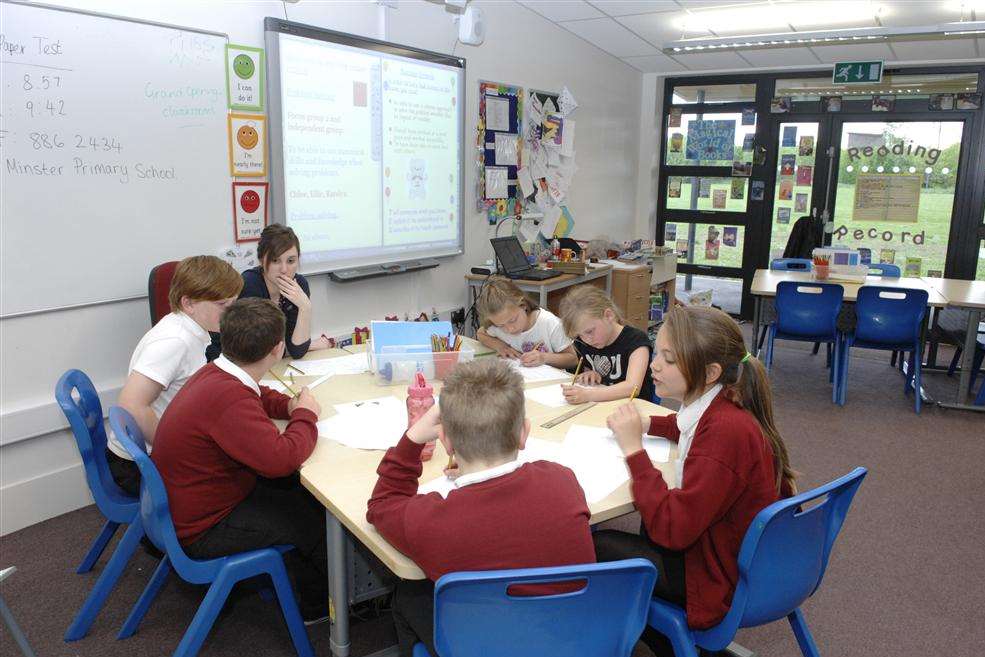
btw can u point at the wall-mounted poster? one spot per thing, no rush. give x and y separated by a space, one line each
805 174
887 197
748 116
941 102
757 190
780 105
887 256
730 235
738 191
800 203
883 103
718 199
676 142
244 77
710 140
249 210
674 118
247 136
831 103
786 190
787 164
783 215
806 147
674 188
789 136
670 233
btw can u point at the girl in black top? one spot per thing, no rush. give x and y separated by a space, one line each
277 279
612 354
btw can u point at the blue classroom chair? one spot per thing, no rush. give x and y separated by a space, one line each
781 563
474 616
85 416
888 318
220 574
808 312
980 397
781 264
884 269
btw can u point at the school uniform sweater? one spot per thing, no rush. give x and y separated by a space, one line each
216 437
728 479
531 517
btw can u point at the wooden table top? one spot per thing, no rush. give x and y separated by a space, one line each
764 283
959 293
342 478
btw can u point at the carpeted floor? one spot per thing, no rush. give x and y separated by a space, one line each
906 577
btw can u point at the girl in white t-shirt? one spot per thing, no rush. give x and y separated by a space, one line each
517 328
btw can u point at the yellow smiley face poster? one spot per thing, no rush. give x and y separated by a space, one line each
247 145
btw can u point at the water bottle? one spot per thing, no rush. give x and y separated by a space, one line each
556 249
420 397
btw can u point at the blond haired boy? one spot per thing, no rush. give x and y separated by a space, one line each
501 514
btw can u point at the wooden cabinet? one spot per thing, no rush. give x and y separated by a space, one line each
631 294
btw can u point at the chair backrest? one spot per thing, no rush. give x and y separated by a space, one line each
791 264
808 309
884 269
155 514
889 315
158 286
785 552
475 616
85 416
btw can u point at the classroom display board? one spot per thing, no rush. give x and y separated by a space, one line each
366 147
113 139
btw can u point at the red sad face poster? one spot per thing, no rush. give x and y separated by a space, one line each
249 210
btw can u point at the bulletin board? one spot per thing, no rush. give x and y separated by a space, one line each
498 150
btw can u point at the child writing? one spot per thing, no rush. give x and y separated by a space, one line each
501 513
731 464
515 327
613 354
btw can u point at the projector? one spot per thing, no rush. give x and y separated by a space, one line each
472 27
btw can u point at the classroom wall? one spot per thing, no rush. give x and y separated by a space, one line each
40 472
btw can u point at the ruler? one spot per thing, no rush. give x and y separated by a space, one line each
567 416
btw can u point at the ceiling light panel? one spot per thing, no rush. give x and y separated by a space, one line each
769 17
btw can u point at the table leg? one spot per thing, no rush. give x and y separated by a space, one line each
338 585
543 296
756 319
970 342
608 282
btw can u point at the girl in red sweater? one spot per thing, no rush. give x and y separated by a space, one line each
731 464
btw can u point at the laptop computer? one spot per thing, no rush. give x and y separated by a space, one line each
513 261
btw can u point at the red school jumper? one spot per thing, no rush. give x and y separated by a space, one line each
532 517
728 479
215 438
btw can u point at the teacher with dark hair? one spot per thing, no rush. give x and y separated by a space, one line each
277 279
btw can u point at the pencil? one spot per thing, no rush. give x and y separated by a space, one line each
451 462
284 383
636 389
577 369
296 370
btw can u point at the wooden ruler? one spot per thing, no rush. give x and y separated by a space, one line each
567 416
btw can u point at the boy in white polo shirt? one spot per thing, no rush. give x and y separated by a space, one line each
173 350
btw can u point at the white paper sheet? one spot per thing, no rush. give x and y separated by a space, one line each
497 113
539 373
549 223
390 405
370 424
551 396
598 471
497 181
567 102
536 449
526 182
506 146
568 138
351 364
658 449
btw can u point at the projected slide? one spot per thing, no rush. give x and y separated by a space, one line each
372 153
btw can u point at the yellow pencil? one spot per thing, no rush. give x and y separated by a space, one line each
284 383
577 369
451 462
636 389
296 370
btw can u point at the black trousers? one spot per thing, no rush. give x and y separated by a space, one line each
413 615
276 512
611 545
125 473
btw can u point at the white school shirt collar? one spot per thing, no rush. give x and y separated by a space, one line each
230 367
193 327
687 421
487 474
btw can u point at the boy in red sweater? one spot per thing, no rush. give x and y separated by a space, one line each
501 514
227 468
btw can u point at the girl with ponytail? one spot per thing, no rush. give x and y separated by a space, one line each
732 463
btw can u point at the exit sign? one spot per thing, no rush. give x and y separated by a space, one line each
857 72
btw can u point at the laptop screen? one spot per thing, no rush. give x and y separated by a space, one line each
510 253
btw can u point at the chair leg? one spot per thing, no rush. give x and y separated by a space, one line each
817 348
292 615
976 364
843 393
800 630
762 336
146 598
952 368
107 580
892 359
835 374
98 545
770 337
15 630
205 617
916 365
828 364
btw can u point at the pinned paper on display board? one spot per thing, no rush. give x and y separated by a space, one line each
549 156
553 125
506 149
240 256
497 179
525 181
249 210
497 114
247 134
566 102
245 70
565 223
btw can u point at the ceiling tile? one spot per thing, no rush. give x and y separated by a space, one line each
780 56
813 26
708 4
611 37
918 12
659 29
725 61
909 51
654 64
849 53
563 10
627 7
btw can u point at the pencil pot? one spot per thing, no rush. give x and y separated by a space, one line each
445 361
821 272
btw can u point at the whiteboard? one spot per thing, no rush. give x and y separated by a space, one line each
114 148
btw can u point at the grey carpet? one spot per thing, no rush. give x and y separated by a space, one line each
906 576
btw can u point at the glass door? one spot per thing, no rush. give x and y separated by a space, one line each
895 191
